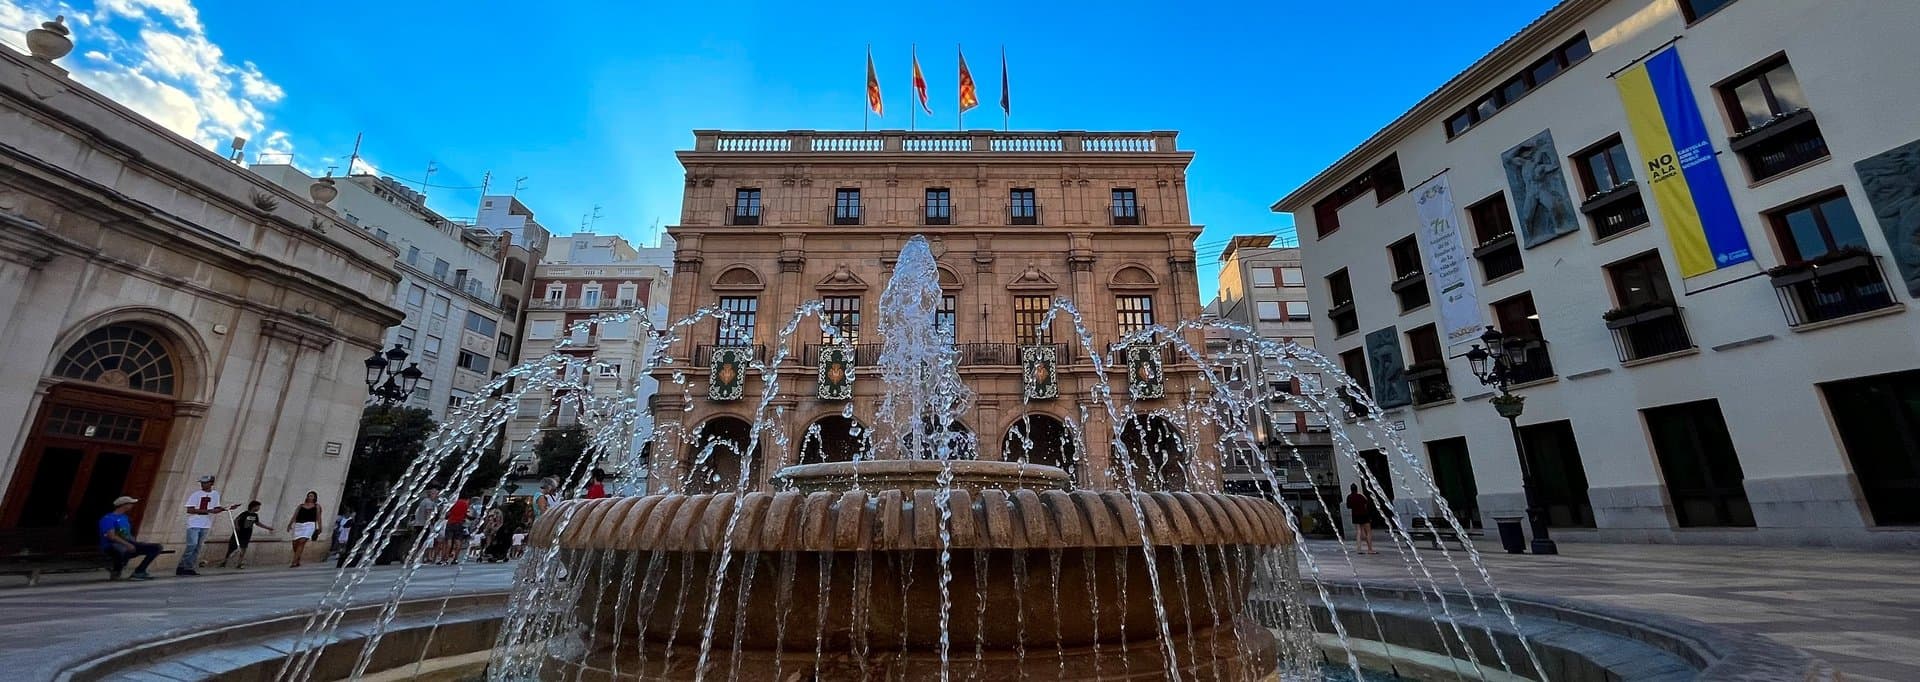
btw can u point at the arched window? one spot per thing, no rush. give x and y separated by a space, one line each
718 458
121 356
835 438
1157 456
1041 439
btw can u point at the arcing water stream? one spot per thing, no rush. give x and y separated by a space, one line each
924 562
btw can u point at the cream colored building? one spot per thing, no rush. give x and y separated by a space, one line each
167 314
1770 400
774 219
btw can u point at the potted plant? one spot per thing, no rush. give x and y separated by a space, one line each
1837 260
1508 405
1425 368
1639 312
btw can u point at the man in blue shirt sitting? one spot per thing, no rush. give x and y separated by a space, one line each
116 539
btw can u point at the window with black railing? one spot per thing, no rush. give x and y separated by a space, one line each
946 318
1613 202
1828 272
1777 131
846 206
1647 322
1135 313
746 206
1125 209
1341 312
1029 316
1409 281
1496 247
1022 209
1517 318
736 328
1354 363
840 320
939 207
1427 375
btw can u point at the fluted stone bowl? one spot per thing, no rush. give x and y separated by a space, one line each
1042 580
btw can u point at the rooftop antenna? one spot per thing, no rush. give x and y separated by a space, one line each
330 170
587 220
431 167
239 144
654 232
519 183
354 159
486 180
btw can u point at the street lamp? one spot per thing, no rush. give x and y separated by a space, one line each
1495 360
381 376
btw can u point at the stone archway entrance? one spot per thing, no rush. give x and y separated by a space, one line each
719 458
835 438
1041 439
99 434
1158 455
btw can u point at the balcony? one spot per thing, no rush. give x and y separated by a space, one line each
864 354
1615 210
1024 215
1002 354
1499 256
843 215
1845 282
1428 381
971 142
939 215
703 354
1126 214
1650 330
1411 289
1538 364
1786 142
581 304
736 217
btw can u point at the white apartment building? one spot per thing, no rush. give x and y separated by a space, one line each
586 275
450 277
525 242
1702 218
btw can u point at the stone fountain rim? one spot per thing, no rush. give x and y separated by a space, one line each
894 520
960 467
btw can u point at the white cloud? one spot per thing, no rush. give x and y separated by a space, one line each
174 73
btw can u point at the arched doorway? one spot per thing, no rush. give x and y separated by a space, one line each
955 443
717 455
100 433
1157 452
834 438
1042 439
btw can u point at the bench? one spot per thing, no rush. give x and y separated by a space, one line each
1433 530
36 552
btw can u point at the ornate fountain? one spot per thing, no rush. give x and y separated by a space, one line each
902 567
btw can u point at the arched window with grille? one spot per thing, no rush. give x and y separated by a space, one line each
120 356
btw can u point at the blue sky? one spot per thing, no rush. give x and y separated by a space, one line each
589 100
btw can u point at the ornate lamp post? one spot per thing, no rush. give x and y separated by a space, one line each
1494 365
381 367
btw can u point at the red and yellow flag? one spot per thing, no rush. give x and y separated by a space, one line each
969 98
920 83
873 87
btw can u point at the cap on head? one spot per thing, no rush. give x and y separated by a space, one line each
207 478
124 500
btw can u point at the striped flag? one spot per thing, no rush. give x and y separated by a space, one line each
920 83
969 97
873 86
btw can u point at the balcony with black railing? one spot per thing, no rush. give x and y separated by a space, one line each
1126 213
1648 331
1845 282
1428 382
703 354
740 217
1537 364
1023 215
1615 210
844 215
1781 144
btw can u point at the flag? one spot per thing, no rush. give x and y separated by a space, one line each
1006 104
873 86
969 98
920 84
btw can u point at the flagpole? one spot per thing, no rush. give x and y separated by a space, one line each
1006 111
960 119
866 108
913 118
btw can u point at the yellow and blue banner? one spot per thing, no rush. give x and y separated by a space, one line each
1682 172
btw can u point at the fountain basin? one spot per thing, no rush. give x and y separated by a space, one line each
1049 581
907 475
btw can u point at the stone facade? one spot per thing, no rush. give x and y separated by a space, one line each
1109 220
167 314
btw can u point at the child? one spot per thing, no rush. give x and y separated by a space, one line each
342 534
243 525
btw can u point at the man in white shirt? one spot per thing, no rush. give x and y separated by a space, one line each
202 506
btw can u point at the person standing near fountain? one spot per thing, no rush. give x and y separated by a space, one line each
116 539
202 505
243 525
422 520
305 525
1362 518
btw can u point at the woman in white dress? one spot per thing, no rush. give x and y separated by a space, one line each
305 523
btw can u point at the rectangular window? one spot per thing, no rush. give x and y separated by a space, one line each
1423 343
1612 202
481 324
1354 363
842 313
1125 207
1498 251
542 329
1028 314
503 350
460 279
1427 375
746 206
1704 481
1021 208
590 297
556 293
413 256
416 296
1604 166
938 210
456 399
473 362
1409 281
1517 318
610 370
403 337
1770 92
1816 227
946 319
1776 131
846 206
1135 313
1640 281
1297 312
441 305
742 313
1878 418
1828 273
1511 90
1554 457
1340 295
431 347
1270 311
1292 277
440 267
1263 278
1693 10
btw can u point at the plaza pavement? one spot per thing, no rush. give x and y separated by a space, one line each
47 629
1859 611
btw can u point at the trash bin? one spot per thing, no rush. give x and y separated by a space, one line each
1512 538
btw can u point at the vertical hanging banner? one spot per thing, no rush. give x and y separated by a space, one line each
727 376
1681 167
1037 372
1144 378
836 373
1460 316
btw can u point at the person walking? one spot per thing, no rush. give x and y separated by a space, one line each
597 488
421 523
454 540
347 536
495 542
202 506
549 496
305 525
1363 517
116 540
341 532
243 525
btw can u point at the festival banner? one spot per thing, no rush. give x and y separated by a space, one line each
727 376
836 373
1682 170
1144 378
1037 364
1460 316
